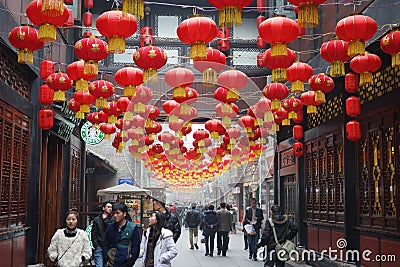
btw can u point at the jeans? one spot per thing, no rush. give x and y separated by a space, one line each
222 241
98 257
193 231
253 240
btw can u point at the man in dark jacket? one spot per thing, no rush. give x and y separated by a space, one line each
100 224
285 230
171 220
210 226
192 220
254 216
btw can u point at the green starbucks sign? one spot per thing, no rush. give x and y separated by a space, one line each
90 134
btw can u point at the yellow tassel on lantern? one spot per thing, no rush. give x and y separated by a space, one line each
337 69
268 116
232 93
116 45
79 115
278 49
91 68
297 87
308 15
275 104
365 78
230 16
84 108
278 75
226 122
209 77
198 50
134 7
150 75
311 109
139 107
59 96
47 33
82 85
112 119
285 122
25 56
173 118
292 115
319 96
107 136
179 92
53 8
214 135
129 90
185 109
356 47
128 116
276 127
138 130
101 103
395 60
135 142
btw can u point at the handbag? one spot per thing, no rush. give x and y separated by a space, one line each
283 250
202 240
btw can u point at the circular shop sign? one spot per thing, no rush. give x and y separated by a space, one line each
90 134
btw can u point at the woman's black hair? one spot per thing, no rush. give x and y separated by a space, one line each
73 211
155 230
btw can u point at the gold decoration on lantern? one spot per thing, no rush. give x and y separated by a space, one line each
53 8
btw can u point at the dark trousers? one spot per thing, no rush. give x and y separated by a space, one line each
209 238
246 245
222 241
272 259
253 240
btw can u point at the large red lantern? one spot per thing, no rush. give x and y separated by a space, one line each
275 92
76 71
230 11
365 65
129 77
297 74
356 29
353 130
46 68
134 7
197 32
223 39
278 64
353 108
91 50
25 39
298 132
116 26
298 149
215 62
321 84
279 31
46 118
47 24
179 78
351 82
59 82
46 95
102 90
335 52
150 58
307 12
390 44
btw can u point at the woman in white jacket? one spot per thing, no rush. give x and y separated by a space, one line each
158 246
70 246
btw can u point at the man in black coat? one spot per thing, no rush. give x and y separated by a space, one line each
253 216
100 224
171 220
285 230
210 226
193 220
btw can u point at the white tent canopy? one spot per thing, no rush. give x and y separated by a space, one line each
123 189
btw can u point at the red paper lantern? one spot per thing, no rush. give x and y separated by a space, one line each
116 26
282 116
230 11
46 68
179 78
25 39
259 20
390 44
112 111
356 29
197 32
88 4
298 132
143 95
351 82
46 118
298 149
300 117
215 62
150 58
233 80
247 123
108 129
129 77
308 98
151 112
278 64
335 52
353 130
321 84
365 65
97 117
46 95
87 19
221 94
297 74
84 98
353 108
215 128
223 39
275 92
91 50
146 36
76 71
307 12
260 60
102 90
292 105
278 31
74 106
170 107
59 82
226 111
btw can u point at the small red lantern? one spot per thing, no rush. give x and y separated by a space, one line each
76 71
171 107
226 112
91 50
275 92
260 60
247 123
297 74
223 41
112 111
88 4
143 95
353 130
215 62
102 90
351 82
278 64
46 95
59 82
298 132
87 19
46 68
150 58
353 108
108 129
365 65
233 80
292 105
282 115
84 98
146 36
74 106
390 44
215 128
321 84
308 98
46 118
129 77
116 26
335 52
25 39
298 150
221 94
197 32
179 78
356 29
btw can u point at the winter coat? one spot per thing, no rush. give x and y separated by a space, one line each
172 223
259 216
193 218
73 253
285 230
99 229
210 222
164 251
225 220
124 243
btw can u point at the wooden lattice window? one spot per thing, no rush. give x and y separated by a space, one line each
74 177
14 163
